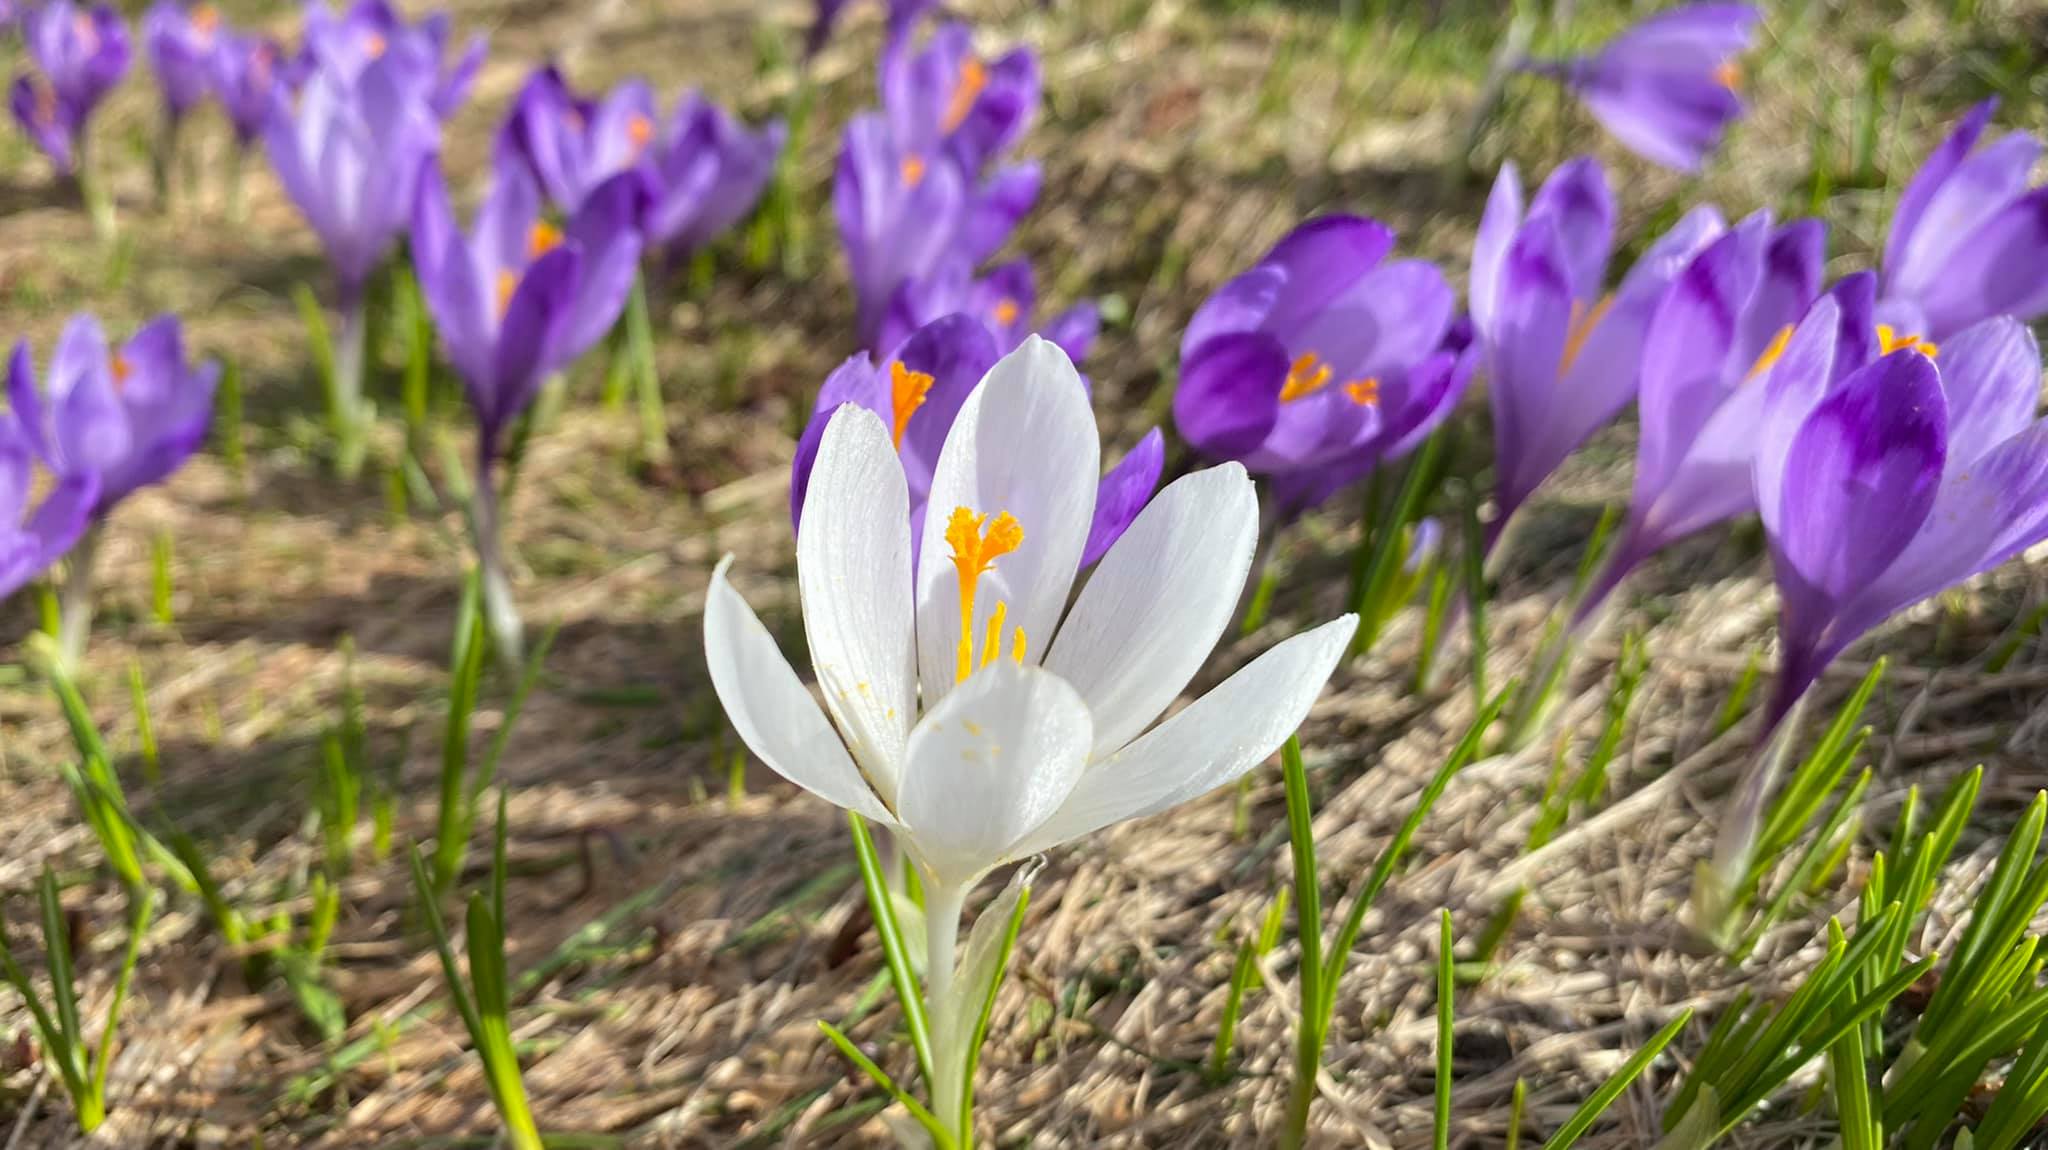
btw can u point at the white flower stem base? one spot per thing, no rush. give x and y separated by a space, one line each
942 906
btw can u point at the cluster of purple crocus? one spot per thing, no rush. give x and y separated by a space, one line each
1884 427
924 197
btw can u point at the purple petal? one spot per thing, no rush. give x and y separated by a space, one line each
1974 191
1576 201
1690 353
1123 493
528 338
1075 329
606 230
1991 379
2001 268
1497 228
1228 400
1860 478
1929 180
956 351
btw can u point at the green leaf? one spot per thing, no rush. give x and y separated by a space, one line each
909 997
1592 1108
1446 992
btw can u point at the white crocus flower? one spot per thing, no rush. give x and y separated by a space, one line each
965 715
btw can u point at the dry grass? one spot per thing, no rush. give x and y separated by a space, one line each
689 942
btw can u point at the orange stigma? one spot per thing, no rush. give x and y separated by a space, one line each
375 46
913 170
1729 75
541 239
122 369
639 132
907 391
1364 392
1889 341
205 18
1007 311
1584 320
508 282
966 90
1305 376
975 552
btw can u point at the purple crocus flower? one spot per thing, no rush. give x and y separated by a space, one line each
1970 238
1707 347
350 155
130 418
1005 301
944 97
517 299
244 71
710 170
1561 358
180 45
1666 88
919 394
80 54
572 144
30 541
1321 359
903 214
349 43
1885 481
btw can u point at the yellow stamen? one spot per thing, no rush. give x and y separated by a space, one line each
913 170
1729 75
1306 376
122 369
639 131
1771 354
375 46
1006 311
1364 392
508 282
543 238
1889 341
992 643
975 552
907 392
1583 321
966 90
1017 646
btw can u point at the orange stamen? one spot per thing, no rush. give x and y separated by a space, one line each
639 131
205 18
1583 321
375 46
913 170
1364 392
1771 354
1729 75
1306 376
975 552
966 90
907 391
1006 311
543 238
122 369
508 282
1889 341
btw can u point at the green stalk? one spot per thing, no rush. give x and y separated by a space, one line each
452 835
1446 990
1312 1031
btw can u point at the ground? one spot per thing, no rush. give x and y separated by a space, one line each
685 937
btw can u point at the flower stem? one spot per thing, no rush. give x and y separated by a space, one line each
942 906
74 612
345 389
501 614
1312 1030
1715 887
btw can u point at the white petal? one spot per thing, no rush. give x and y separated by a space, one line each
1155 606
853 570
1025 442
768 706
1220 736
989 764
